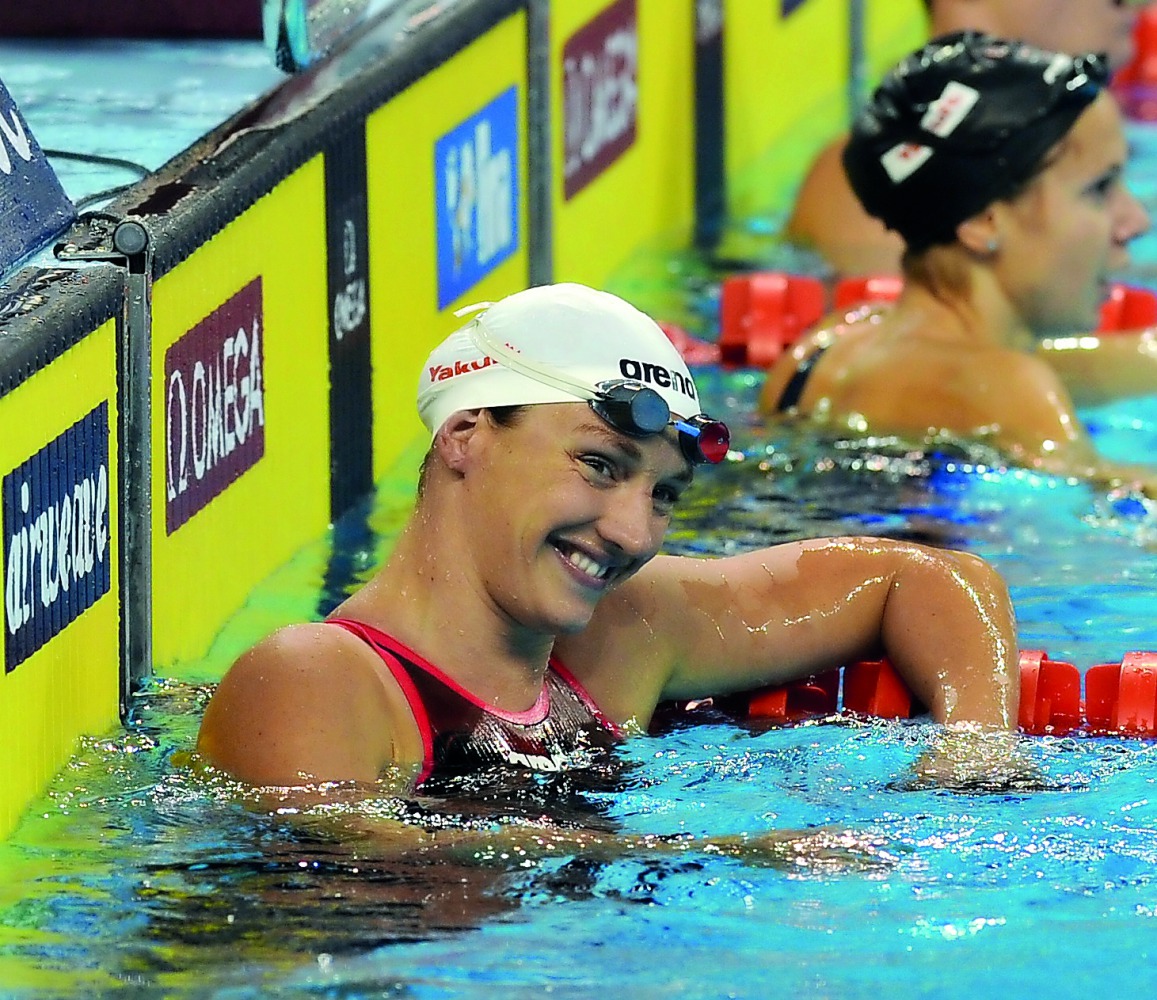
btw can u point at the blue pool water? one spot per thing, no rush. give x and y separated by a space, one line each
134 875
140 102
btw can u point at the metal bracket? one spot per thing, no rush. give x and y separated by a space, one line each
128 242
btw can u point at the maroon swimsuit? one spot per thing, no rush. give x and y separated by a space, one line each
461 734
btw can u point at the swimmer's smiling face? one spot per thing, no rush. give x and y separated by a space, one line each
571 508
1062 239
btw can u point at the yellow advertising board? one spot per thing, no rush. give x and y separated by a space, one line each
787 68
622 89
58 518
446 175
891 31
240 430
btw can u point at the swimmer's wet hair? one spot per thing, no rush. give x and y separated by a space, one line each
966 120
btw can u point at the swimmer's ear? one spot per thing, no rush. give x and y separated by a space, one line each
981 233
454 436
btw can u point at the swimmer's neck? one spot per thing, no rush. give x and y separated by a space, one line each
426 597
986 317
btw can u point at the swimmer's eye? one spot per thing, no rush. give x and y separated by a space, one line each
665 498
1104 186
600 465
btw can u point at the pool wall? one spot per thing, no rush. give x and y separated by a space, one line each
305 256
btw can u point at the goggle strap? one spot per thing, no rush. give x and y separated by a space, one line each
556 379
689 433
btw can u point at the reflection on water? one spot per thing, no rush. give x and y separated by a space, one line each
137 873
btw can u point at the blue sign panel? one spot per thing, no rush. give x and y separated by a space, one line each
476 183
33 205
56 536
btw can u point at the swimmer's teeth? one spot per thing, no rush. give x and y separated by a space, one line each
585 563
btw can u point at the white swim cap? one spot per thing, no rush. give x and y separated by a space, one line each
550 344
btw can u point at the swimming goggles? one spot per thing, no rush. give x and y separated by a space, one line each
628 406
637 410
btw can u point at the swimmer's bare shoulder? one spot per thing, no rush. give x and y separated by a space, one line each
836 334
1016 393
310 703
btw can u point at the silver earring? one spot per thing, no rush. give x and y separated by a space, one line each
993 245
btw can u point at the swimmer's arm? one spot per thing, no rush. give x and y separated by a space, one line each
766 617
1102 369
307 704
1035 422
517 845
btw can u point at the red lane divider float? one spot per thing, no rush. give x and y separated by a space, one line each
1136 83
1128 308
867 290
872 687
817 695
1050 694
763 314
1120 698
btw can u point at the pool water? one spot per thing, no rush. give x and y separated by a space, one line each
112 109
134 875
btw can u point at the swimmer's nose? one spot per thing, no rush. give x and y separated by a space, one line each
1132 219
630 524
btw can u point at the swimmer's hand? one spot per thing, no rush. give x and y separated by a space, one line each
968 758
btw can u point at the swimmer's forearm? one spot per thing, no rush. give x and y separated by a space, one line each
1102 369
949 628
517 846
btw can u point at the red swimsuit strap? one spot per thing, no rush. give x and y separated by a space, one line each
383 645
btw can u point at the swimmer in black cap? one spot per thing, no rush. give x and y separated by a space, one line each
828 217
1000 165
967 121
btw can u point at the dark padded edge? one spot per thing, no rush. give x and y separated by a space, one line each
45 311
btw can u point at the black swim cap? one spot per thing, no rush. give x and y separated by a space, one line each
961 123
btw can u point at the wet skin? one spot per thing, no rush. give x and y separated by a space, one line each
968 363
542 536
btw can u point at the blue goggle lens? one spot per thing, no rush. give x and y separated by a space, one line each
639 411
